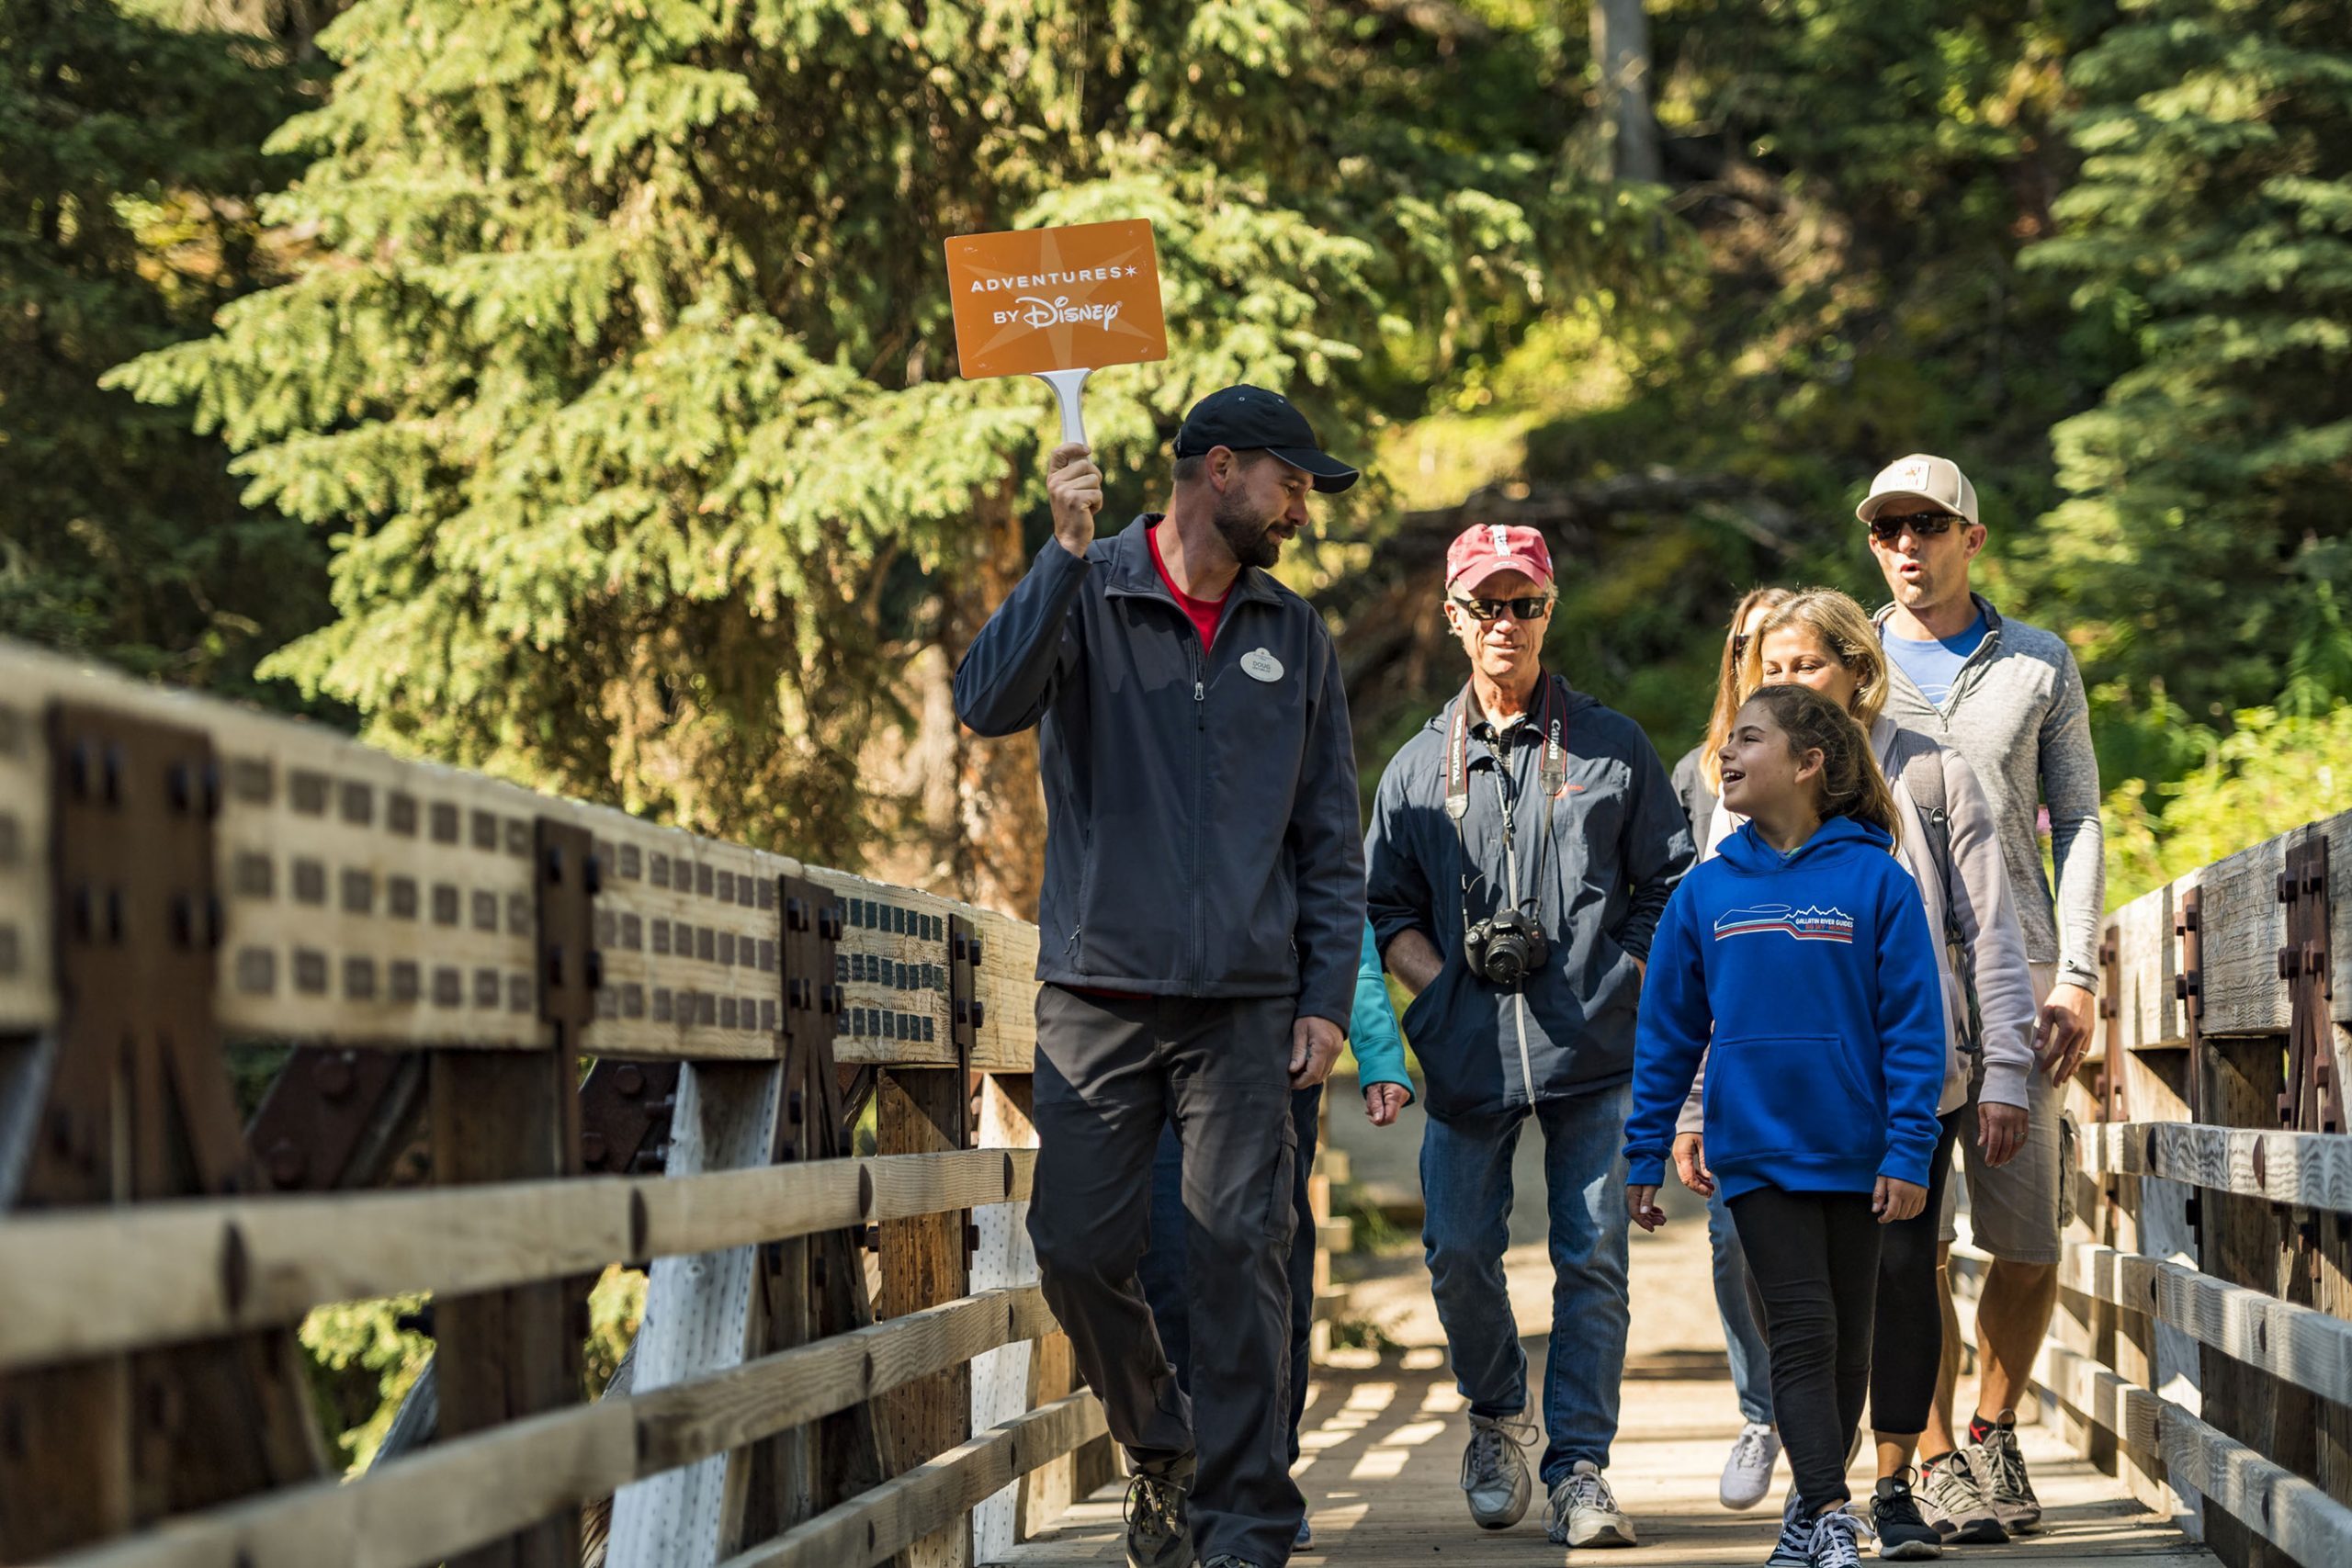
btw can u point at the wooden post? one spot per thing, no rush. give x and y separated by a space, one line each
921 1110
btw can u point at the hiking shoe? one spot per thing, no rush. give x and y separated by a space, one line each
1834 1543
1582 1511
1305 1540
1894 1519
1748 1474
1952 1499
2002 1466
1158 1535
1794 1549
1494 1472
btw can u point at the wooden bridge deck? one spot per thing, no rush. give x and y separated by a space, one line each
1383 1437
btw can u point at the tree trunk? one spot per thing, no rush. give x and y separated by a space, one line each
1621 56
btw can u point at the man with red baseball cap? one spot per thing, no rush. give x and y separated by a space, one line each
1523 847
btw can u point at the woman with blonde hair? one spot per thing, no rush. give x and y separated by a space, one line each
1748 1474
1948 842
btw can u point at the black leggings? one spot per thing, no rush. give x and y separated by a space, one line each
1814 1257
1908 1345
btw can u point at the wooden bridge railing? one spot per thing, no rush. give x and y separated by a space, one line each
2204 1339
591 1041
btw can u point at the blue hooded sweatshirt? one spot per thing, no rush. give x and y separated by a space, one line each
1814 975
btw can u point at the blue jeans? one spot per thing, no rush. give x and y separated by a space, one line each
1467 1190
1751 1367
1162 1268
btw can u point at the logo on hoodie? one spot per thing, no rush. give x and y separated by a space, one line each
1808 924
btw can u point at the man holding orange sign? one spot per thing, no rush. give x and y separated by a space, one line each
1199 930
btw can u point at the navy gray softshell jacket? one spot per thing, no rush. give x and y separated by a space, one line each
1619 845
1201 818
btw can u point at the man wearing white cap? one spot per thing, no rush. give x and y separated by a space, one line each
2009 698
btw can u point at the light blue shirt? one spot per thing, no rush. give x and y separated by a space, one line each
1934 665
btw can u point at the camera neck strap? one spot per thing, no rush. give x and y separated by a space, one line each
1551 774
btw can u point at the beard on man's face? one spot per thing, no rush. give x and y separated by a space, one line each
1247 531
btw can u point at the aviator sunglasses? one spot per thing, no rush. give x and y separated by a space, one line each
1887 528
1532 607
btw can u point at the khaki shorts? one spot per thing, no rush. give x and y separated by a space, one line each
2015 1211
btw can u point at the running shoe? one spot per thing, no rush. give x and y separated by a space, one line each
1305 1540
1582 1511
1227 1559
1894 1521
1952 1499
1494 1472
1748 1474
2002 1465
1157 1533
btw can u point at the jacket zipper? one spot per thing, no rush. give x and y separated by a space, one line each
1200 790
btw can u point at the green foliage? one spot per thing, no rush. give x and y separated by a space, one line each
2272 772
362 1364
621 376
128 164
2203 541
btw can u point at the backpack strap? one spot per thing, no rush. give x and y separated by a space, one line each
1919 762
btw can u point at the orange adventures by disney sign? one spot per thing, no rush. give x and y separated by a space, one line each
1058 304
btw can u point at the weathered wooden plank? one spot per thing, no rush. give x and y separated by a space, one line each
2311 1170
505 1354
900 1511
924 1263
2243 926
699 1320
2308 1348
214 1267
455 1495
372 900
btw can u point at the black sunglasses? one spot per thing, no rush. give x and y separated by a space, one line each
1531 607
1886 528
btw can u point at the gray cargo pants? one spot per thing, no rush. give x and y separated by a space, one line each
1109 1072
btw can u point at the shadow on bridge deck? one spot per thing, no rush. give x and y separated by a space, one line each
1383 1435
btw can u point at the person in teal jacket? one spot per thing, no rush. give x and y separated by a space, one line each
1388 1089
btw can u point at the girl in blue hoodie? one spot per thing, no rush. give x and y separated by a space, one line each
1801 952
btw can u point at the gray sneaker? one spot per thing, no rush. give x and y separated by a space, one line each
1157 1533
1952 1499
2002 1465
1227 1559
1494 1472
1582 1511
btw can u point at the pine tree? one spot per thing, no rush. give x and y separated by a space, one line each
2206 540
626 378
129 162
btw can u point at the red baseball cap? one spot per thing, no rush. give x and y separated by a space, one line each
1479 552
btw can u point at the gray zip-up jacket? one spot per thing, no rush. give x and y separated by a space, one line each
2018 713
1618 846
1201 808
1980 906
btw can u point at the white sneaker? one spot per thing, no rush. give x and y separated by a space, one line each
1582 1511
1494 1472
1748 1474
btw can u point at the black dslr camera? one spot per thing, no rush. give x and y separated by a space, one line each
1505 949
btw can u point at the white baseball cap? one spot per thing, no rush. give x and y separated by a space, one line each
1936 481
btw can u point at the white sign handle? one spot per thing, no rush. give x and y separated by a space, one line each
1065 385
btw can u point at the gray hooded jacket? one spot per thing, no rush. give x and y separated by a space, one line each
1201 810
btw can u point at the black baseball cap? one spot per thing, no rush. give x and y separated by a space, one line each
1250 419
